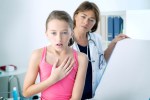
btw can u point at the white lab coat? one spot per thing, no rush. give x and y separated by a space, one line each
97 71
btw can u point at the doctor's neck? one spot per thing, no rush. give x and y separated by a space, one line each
81 39
80 35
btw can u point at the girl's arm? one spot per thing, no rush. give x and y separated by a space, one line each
80 77
30 88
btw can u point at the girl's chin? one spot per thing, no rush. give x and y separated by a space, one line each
59 48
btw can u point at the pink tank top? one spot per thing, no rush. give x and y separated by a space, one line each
62 90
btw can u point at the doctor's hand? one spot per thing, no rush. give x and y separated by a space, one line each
119 37
63 70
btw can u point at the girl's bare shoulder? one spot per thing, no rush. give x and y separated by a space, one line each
37 53
82 56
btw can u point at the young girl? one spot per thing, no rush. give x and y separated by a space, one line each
62 70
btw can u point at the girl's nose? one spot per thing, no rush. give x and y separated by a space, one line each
59 37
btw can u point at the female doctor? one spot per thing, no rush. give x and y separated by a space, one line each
86 18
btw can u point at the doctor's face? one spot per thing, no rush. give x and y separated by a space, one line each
85 20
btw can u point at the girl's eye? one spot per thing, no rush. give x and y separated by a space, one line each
54 33
65 32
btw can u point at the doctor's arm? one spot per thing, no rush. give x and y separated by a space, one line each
109 50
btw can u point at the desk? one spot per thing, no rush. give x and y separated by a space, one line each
13 75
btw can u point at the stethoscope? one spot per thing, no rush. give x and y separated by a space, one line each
101 56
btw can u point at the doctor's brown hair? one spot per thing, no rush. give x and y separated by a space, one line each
86 6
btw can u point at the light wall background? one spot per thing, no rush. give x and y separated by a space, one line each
22 24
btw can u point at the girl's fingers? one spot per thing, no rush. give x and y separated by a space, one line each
69 68
67 63
68 71
64 62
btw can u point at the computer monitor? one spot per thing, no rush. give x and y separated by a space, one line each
127 75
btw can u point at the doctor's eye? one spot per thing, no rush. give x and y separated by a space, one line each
92 20
83 17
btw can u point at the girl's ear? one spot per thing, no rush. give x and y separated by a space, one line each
72 34
71 40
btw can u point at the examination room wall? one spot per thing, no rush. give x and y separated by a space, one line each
22 25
